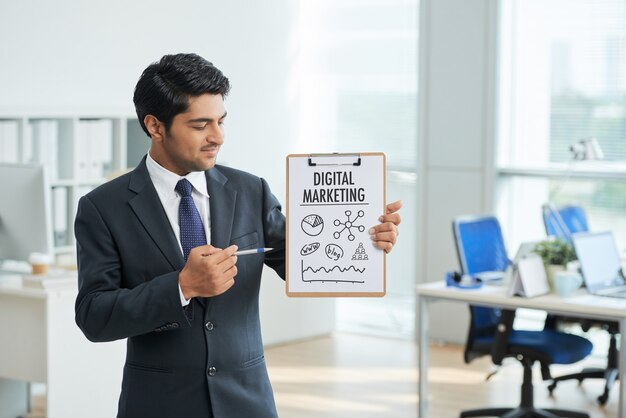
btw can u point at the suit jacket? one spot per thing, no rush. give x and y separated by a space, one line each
206 358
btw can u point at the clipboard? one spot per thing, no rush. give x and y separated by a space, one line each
332 202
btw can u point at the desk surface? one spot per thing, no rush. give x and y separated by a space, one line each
580 304
11 284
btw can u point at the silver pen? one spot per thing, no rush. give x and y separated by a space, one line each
253 251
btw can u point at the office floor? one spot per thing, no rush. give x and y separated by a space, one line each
348 375
355 376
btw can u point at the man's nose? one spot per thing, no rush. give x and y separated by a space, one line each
216 134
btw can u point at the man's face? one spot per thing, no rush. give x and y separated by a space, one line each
195 136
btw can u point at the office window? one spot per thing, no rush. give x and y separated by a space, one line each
358 92
562 67
358 70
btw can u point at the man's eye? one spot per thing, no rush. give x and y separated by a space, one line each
199 127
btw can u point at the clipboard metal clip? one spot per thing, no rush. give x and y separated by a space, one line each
335 154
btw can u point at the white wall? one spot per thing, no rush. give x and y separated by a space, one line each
455 154
86 57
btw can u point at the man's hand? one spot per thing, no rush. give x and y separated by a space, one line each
386 233
209 271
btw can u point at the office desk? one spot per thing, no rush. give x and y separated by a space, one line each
580 305
41 343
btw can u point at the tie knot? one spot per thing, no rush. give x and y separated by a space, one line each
183 187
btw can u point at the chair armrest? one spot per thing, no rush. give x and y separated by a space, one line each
500 345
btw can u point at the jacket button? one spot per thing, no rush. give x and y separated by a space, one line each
209 326
212 371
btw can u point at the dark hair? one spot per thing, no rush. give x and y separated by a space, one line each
165 87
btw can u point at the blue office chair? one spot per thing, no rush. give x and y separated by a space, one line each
562 222
480 247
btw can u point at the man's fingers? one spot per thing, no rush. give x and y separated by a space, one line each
219 256
391 215
384 245
222 282
385 234
387 226
228 264
394 206
205 250
390 236
394 218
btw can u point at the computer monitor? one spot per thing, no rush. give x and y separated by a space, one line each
25 214
599 260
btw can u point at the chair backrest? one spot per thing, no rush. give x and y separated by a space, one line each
480 247
572 219
479 243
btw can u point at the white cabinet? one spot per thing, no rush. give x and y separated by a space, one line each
45 346
80 151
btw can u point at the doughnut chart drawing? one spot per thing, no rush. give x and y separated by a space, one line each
312 225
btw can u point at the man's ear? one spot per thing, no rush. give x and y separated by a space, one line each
155 127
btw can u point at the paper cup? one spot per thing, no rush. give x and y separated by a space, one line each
39 262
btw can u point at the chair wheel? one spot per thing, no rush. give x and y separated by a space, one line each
603 398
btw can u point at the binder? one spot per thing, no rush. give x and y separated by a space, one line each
59 216
332 202
9 141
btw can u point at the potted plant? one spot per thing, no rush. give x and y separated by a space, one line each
555 254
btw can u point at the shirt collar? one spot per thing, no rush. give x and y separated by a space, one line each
165 180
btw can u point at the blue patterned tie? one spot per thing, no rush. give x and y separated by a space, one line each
191 229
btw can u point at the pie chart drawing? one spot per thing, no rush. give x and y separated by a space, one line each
312 225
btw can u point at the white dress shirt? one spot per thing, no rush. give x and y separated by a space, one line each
165 183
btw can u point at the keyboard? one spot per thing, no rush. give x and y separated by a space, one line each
15 266
619 294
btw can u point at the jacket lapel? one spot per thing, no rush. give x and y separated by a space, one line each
222 203
149 210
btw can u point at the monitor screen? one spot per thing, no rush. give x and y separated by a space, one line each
599 259
25 214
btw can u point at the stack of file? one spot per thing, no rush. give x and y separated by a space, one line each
9 141
60 198
94 149
41 145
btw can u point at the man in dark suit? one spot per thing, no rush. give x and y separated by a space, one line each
147 273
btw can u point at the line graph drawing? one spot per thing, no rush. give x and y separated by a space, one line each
328 271
349 224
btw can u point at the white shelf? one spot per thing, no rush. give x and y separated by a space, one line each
80 150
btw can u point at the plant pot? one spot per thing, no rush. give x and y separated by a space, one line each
551 270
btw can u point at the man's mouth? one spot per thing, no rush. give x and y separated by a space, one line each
213 149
